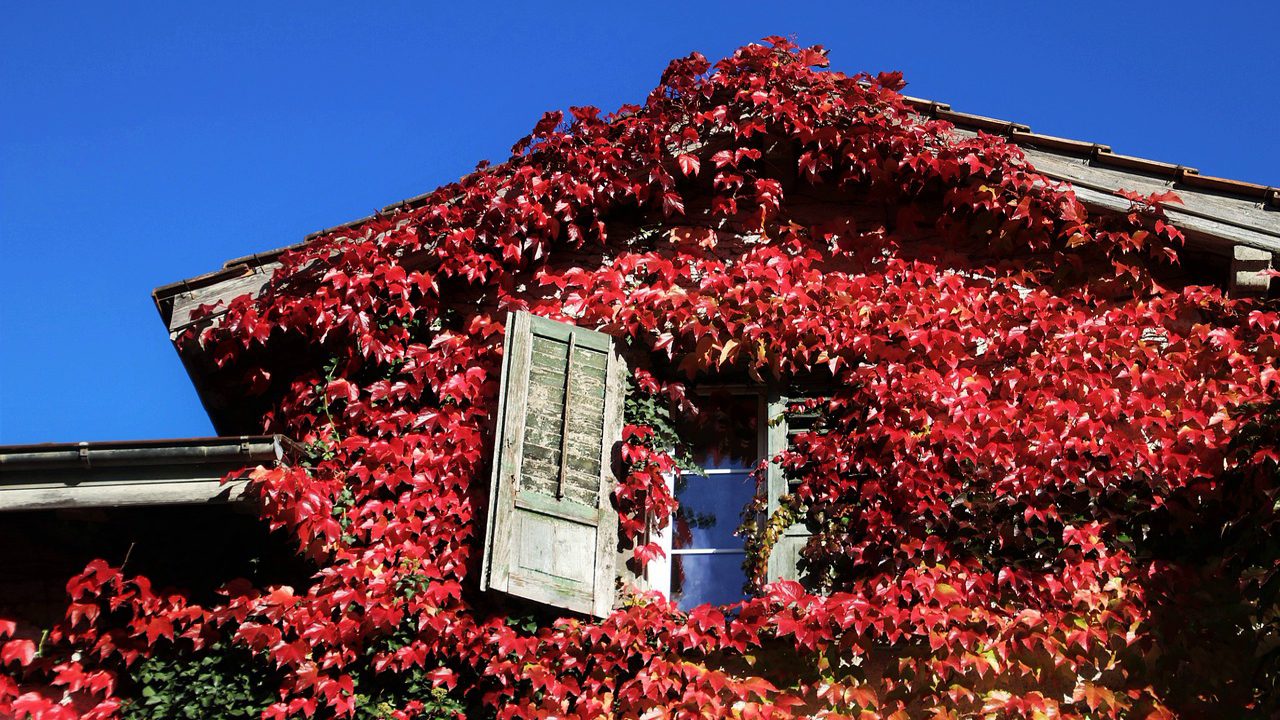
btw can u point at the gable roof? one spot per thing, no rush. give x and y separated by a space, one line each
1217 212
1235 221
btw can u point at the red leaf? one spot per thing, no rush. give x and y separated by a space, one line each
19 651
648 552
891 80
785 591
443 676
689 164
340 389
672 204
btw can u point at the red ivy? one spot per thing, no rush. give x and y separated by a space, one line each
1032 450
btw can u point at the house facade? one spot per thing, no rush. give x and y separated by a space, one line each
1232 232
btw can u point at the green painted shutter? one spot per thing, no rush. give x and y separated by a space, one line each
552 532
784 559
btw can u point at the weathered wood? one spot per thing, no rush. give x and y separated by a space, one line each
607 535
147 472
776 442
552 534
784 558
541 502
1248 272
119 487
1210 234
490 526
1242 212
255 277
1214 220
507 454
564 421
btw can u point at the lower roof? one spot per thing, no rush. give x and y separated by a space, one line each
134 472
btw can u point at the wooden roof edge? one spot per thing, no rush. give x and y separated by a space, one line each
141 473
1068 146
210 278
1102 155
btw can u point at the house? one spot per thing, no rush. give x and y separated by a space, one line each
1233 237
406 438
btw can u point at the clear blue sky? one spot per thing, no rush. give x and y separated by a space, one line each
144 144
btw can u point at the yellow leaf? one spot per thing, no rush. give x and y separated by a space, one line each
726 352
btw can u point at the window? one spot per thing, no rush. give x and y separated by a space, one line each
739 428
704 554
552 531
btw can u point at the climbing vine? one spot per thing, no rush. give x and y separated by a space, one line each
1044 448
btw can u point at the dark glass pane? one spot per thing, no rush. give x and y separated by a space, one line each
711 509
699 579
725 432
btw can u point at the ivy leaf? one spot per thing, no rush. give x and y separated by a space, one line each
727 351
892 80
20 651
689 164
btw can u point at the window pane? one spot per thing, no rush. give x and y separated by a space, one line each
698 579
726 430
711 509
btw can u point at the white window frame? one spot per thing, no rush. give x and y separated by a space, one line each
658 571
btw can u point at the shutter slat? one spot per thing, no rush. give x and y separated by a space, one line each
564 423
541 504
552 534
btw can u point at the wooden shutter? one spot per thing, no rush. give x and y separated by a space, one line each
784 559
552 532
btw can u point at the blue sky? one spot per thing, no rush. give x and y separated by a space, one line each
145 143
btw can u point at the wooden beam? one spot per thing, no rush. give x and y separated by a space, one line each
117 487
1248 268
1214 220
143 472
177 307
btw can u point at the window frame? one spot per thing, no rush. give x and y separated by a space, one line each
525 541
771 439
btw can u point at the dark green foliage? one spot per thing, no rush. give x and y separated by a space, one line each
378 699
217 683
228 683
641 408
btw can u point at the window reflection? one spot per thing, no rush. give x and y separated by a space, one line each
707 557
711 509
725 431
699 579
